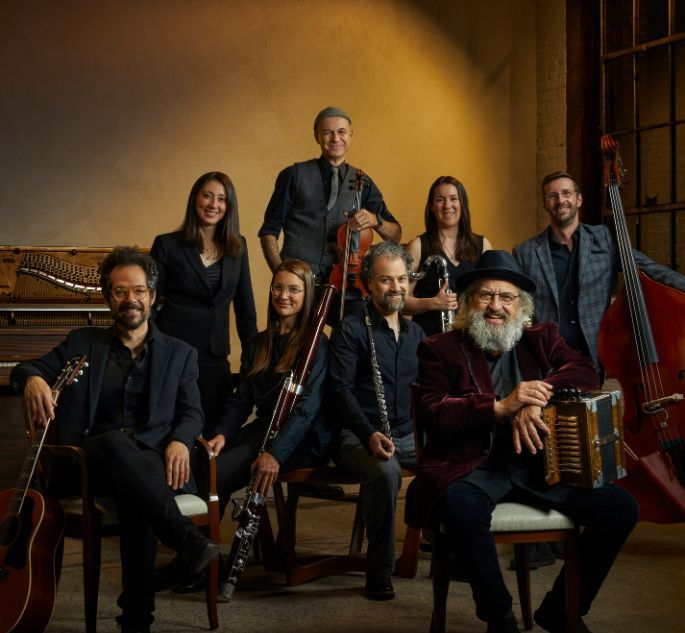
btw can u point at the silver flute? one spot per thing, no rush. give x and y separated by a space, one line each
377 380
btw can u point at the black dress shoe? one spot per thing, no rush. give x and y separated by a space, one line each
197 551
379 588
503 625
169 575
191 583
128 625
550 618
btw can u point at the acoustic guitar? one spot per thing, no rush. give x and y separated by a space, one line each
30 532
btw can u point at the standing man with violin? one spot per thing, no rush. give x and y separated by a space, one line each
372 367
136 412
574 267
311 198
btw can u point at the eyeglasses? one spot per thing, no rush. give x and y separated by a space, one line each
564 194
139 292
292 291
505 298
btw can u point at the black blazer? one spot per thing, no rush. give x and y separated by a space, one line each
174 405
190 312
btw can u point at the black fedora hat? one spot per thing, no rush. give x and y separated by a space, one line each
495 265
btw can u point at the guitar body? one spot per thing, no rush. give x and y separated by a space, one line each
28 546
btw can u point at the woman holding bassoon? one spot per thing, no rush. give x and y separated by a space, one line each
304 439
443 253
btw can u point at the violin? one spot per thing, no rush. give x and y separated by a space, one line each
351 248
642 345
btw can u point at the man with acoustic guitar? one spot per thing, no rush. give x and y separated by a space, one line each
310 200
136 412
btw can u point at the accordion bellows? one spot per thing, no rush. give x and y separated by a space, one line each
585 445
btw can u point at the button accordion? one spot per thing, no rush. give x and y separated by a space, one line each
584 448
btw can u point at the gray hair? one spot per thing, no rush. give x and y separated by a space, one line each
390 250
330 111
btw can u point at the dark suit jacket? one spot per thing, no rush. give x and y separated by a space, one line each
598 265
174 409
190 312
455 405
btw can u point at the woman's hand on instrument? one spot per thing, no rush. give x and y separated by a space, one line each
177 460
445 299
217 443
528 427
381 446
529 392
363 219
39 402
265 469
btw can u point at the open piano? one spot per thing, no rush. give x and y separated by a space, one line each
44 293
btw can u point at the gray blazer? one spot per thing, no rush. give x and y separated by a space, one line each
598 265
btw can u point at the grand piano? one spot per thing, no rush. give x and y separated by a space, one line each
44 293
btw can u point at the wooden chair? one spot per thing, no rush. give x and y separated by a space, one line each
299 570
90 519
511 523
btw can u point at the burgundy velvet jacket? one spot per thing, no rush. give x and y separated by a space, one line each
455 403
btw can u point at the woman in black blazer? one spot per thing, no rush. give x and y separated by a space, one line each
203 268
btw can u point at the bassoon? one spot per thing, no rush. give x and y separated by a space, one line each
248 516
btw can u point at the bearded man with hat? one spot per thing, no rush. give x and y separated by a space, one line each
482 387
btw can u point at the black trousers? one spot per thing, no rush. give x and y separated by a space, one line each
135 476
215 382
608 515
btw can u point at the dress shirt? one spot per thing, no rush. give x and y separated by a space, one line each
352 385
283 197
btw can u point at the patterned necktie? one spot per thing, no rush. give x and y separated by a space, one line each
334 189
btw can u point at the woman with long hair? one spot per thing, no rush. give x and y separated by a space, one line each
448 234
203 270
305 437
303 440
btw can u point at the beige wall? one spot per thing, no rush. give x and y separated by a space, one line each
111 109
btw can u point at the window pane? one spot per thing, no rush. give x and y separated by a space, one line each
679 16
619 94
619 25
626 151
652 86
655 162
653 20
655 237
680 242
679 62
680 165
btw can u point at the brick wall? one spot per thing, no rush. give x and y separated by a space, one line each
551 92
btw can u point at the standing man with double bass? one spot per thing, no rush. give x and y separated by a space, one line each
574 267
310 199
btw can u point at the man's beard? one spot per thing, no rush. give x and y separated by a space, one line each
392 302
131 320
495 338
563 223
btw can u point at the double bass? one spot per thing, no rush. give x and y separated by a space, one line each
642 345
